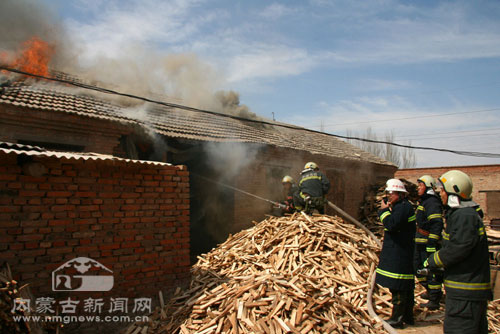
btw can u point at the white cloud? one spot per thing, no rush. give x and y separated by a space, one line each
117 25
275 11
265 61
378 85
387 32
381 32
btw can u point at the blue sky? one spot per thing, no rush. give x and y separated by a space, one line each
344 64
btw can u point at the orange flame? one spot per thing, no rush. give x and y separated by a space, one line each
33 58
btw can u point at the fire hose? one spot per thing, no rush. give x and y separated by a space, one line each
369 296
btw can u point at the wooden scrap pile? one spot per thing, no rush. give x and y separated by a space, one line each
494 316
9 292
370 206
294 274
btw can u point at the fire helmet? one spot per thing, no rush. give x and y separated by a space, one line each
457 183
311 165
395 185
428 180
287 179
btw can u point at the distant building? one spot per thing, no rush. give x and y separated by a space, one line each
486 179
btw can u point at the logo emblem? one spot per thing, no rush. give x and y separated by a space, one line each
82 274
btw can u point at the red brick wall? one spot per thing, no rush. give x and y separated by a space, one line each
350 180
485 177
131 217
95 134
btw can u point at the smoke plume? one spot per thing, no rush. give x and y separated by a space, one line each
139 70
229 159
21 20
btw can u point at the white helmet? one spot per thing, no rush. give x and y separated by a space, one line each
395 185
287 179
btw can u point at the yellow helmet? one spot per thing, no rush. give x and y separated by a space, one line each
287 179
457 183
428 180
311 165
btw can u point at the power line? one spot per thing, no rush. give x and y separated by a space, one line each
447 137
412 117
446 133
282 125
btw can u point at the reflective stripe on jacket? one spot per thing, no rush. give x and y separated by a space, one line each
395 268
313 183
464 256
429 221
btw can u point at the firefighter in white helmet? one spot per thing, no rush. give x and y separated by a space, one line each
313 188
395 268
427 239
464 257
289 191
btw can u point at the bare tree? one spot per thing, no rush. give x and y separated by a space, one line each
402 157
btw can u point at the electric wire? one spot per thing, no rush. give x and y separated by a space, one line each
411 117
418 135
244 119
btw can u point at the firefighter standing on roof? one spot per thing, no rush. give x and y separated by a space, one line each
313 187
429 227
395 268
464 257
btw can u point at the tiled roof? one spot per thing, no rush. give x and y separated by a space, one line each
176 122
20 149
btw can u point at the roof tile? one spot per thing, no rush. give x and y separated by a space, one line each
180 123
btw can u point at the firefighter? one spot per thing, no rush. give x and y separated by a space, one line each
313 187
429 227
395 268
289 190
464 257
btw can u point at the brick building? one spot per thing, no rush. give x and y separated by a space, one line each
486 179
214 148
130 215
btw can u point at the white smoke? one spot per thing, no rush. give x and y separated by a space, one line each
229 159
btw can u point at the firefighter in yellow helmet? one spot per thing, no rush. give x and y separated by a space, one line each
464 257
429 215
313 188
289 191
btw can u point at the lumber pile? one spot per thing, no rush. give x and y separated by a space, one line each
295 274
493 235
369 208
494 316
9 291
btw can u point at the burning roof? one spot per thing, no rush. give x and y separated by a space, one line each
34 58
175 122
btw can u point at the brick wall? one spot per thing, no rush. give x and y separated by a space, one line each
484 178
131 217
350 180
94 134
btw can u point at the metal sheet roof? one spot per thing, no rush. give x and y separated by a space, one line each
20 149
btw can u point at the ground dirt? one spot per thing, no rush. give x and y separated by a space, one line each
423 327
432 325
